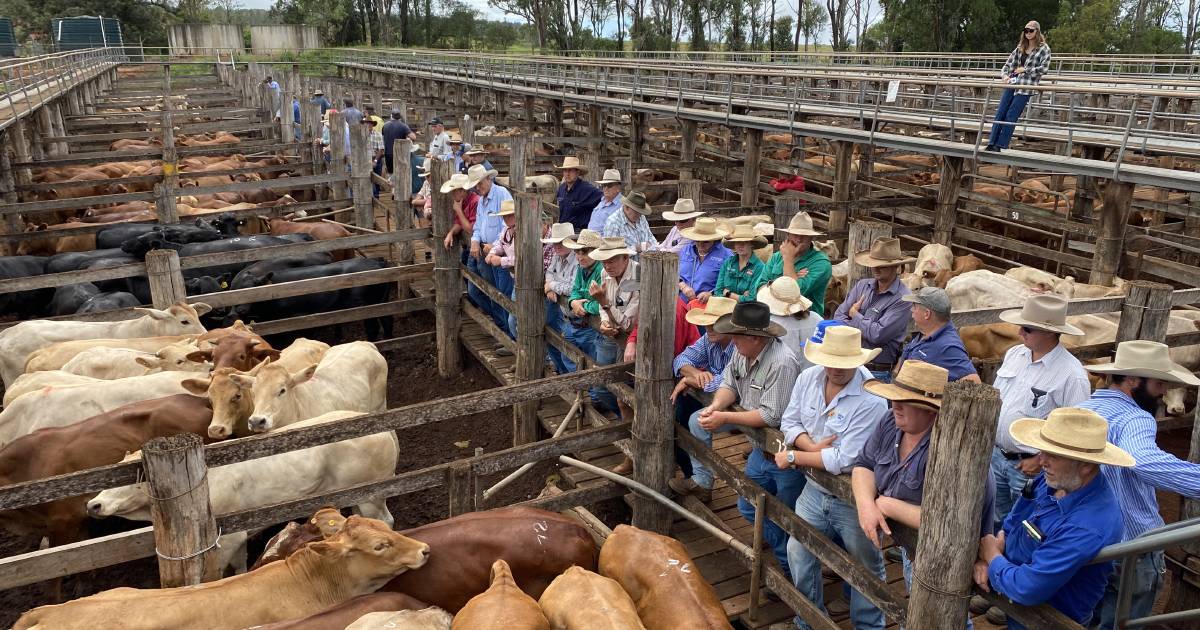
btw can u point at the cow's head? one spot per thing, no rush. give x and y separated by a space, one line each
230 393
174 358
368 553
236 351
275 403
131 502
180 318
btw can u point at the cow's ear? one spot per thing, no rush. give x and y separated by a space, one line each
199 356
254 370
261 351
201 308
145 362
329 521
303 376
154 313
197 386
328 549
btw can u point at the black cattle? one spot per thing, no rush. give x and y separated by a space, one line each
68 299
74 261
116 284
252 276
112 237
227 224
109 302
23 303
321 302
238 244
170 237
206 284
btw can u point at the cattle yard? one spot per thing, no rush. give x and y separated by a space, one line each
1104 186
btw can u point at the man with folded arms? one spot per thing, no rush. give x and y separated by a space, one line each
876 305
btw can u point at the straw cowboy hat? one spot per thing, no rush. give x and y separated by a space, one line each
749 318
841 347
705 229
559 232
637 202
476 151
572 162
1147 359
478 172
587 239
801 225
1044 312
684 210
783 297
884 252
744 233
916 382
1071 432
457 180
611 176
613 246
454 137
507 207
714 309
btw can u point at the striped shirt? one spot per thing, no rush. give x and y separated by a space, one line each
637 235
674 242
764 385
1134 430
488 226
1035 64
560 273
708 356
851 416
602 211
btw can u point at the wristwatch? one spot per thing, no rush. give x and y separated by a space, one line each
791 457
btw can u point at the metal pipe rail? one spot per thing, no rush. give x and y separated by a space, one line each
1154 540
27 84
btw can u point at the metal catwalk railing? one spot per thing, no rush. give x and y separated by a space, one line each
28 83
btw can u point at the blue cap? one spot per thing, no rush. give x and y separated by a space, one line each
819 333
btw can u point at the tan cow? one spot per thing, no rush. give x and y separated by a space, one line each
56 356
662 580
357 560
52 379
351 376
1040 281
932 259
112 363
582 600
503 605
432 618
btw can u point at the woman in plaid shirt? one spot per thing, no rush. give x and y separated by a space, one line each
1025 66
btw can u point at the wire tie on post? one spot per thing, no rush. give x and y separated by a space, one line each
216 544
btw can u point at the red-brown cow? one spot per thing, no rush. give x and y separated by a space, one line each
237 350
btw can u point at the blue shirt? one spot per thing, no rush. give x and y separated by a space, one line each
944 348
575 205
322 102
708 356
416 162
393 130
488 226
883 317
852 416
701 275
602 211
1135 431
353 115
1056 570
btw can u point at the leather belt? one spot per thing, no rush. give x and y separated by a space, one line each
1012 457
879 367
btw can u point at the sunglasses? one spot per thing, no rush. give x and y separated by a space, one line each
1031 30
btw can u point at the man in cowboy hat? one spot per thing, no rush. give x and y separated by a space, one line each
393 130
439 140
560 275
876 306
700 366
576 197
889 475
630 223
759 379
826 423
319 100
610 200
1138 377
1062 520
464 205
1036 377
614 299
503 256
936 340
488 227
473 156
790 309
700 261
684 216
797 258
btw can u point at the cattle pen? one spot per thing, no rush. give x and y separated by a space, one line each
1107 185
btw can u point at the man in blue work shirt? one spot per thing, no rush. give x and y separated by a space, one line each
320 100
352 114
1137 380
1062 520
937 340
576 197
488 227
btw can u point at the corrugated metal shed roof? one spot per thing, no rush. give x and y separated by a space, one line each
85 32
8 41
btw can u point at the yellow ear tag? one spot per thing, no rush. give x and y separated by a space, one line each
224 285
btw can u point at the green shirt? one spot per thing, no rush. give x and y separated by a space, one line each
813 285
743 281
583 278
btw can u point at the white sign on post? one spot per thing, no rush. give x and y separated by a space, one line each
893 90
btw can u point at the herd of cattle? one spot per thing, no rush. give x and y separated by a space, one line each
514 568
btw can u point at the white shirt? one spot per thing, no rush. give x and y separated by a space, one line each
851 416
798 331
1058 377
440 145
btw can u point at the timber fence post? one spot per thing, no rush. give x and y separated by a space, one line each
1111 223
185 533
447 279
863 232
692 189
516 163
468 130
1145 313
360 176
460 488
946 210
337 153
165 277
785 208
959 455
531 313
750 168
401 198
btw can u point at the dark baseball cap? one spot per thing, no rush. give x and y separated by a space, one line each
435 121
932 298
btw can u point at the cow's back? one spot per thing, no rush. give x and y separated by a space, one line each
54 356
346 613
537 545
34 381
660 576
583 600
356 369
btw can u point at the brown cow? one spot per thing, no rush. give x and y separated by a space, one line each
502 605
660 576
48 244
237 350
582 600
97 441
538 546
344 614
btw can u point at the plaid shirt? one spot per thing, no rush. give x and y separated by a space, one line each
1035 64
376 142
766 384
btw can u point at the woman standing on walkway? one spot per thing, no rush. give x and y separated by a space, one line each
1025 66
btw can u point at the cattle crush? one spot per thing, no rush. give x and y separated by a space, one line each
1106 187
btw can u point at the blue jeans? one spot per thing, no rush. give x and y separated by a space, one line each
883 376
685 406
832 516
908 580
608 351
555 320
1010 481
504 283
488 273
701 475
785 485
1147 578
1008 111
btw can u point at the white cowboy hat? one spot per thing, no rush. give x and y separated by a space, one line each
1146 359
587 239
916 382
1047 311
478 172
507 207
559 232
782 295
705 229
613 246
611 176
1071 432
572 162
714 309
684 209
884 252
801 225
840 348
457 180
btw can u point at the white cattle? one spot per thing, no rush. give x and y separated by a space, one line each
59 407
351 376
534 183
279 478
932 258
985 289
1174 401
112 363
1085 291
51 379
20 341
301 353
1042 281
57 355
432 618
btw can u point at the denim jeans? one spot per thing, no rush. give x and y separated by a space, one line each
685 406
555 320
488 273
785 485
830 515
883 376
1010 481
701 475
504 282
1147 578
608 351
908 581
1008 111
